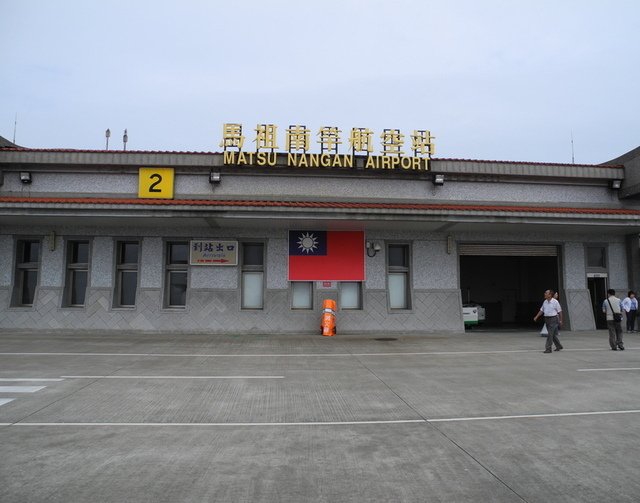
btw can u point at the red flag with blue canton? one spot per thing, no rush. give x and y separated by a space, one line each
326 256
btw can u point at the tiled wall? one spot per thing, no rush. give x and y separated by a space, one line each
217 311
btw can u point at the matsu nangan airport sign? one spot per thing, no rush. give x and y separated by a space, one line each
298 141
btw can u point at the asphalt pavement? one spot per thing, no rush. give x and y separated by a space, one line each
478 417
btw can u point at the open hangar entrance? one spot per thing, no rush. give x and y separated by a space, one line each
508 280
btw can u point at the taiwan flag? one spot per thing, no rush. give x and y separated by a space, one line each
326 256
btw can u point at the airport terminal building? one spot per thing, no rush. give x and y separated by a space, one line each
236 241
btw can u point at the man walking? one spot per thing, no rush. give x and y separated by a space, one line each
552 313
611 307
630 306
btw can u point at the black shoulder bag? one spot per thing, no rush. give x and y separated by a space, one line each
616 316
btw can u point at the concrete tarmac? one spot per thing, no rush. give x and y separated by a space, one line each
479 417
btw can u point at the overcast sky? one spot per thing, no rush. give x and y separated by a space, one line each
491 79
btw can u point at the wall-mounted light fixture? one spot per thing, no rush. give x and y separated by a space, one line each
438 179
616 184
25 177
214 178
372 248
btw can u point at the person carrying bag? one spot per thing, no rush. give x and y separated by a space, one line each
552 313
614 320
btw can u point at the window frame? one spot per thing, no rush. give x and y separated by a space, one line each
71 268
22 267
405 270
360 300
124 267
312 295
252 269
605 249
170 268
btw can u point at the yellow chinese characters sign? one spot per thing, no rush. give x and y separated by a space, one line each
156 183
298 142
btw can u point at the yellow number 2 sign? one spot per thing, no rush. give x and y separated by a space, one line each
155 183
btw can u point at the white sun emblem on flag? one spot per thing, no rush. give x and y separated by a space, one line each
308 243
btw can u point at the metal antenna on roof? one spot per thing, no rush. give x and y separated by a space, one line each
573 159
125 139
15 126
107 135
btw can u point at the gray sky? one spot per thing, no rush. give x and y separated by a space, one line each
506 80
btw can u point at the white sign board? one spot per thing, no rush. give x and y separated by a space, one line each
213 252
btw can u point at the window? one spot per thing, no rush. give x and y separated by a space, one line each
596 257
176 273
350 295
27 266
77 273
126 273
301 295
252 276
398 276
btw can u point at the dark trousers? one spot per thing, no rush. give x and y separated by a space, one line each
631 320
615 333
552 329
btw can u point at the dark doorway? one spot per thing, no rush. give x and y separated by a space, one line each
598 292
510 288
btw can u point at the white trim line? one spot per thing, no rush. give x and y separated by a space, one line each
172 377
530 416
29 379
603 370
304 355
341 423
20 389
319 423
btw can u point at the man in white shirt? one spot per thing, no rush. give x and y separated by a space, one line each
611 307
630 306
552 313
